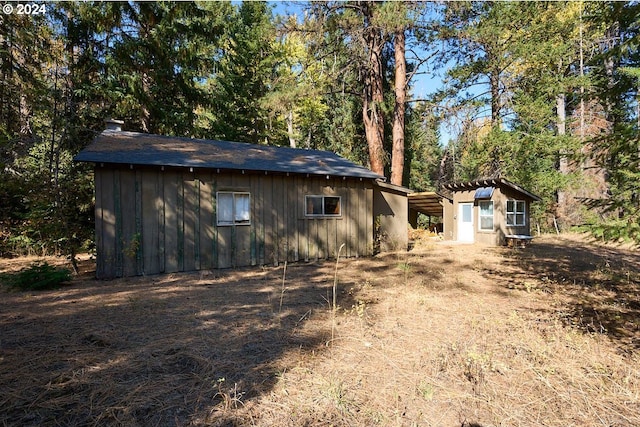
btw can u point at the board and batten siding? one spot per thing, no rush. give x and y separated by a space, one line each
150 220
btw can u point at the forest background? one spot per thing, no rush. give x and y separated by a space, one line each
542 93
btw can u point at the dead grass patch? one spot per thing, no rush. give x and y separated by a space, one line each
445 335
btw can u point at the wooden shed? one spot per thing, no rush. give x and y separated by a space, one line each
490 211
169 204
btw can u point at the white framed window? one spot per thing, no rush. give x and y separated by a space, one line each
516 211
486 215
233 208
323 206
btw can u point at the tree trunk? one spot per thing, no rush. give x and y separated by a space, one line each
373 97
582 107
495 165
494 81
494 74
562 130
563 162
145 114
397 154
289 119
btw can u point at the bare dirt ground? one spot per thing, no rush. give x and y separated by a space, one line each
445 335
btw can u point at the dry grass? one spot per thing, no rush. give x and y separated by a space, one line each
446 335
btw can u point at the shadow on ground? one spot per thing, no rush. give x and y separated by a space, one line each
599 285
164 350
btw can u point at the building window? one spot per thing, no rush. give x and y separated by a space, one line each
322 206
486 215
233 208
516 212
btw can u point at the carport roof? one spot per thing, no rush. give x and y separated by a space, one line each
428 203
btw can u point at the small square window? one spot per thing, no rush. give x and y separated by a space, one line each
233 208
516 213
322 206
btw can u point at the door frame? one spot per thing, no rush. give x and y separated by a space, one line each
466 229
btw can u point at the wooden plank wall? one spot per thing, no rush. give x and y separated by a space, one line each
151 221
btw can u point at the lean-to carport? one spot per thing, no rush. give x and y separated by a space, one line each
428 203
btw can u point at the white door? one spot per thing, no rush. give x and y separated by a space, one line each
465 222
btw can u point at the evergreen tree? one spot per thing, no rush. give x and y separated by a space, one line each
423 150
24 46
352 34
617 150
161 54
248 60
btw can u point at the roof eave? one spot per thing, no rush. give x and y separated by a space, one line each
381 182
327 175
484 182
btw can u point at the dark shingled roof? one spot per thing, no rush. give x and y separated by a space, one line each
146 149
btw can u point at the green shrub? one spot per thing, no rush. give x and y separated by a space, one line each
38 276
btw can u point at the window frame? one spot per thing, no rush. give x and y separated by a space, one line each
235 197
514 213
481 216
323 204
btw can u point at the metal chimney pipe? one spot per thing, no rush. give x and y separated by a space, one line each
114 125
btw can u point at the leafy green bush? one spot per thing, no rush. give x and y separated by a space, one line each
38 276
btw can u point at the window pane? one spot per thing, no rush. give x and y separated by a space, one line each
332 205
511 219
519 219
314 205
241 208
225 208
486 215
511 205
486 223
486 208
466 213
520 207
